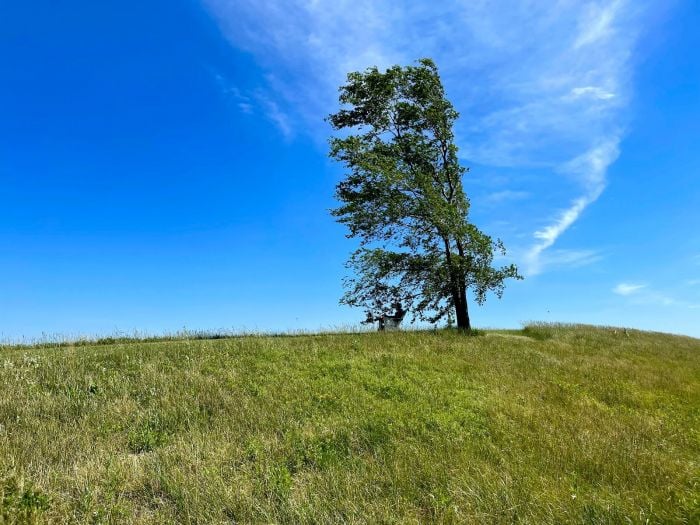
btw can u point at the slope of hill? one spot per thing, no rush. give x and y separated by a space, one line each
551 424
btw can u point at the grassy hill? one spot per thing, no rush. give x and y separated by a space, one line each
551 424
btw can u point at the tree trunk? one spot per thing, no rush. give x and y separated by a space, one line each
461 307
462 311
459 291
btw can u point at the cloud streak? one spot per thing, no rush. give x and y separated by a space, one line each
590 168
591 91
507 196
628 289
539 84
643 294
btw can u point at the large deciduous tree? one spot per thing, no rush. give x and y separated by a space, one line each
404 200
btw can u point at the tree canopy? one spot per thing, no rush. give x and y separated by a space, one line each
404 200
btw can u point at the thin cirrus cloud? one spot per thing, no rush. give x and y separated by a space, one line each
540 84
643 294
498 197
591 91
590 168
246 103
597 22
628 288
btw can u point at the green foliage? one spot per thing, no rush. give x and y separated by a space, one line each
403 198
551 424
147 435
20 503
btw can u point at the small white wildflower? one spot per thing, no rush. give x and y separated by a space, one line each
30 360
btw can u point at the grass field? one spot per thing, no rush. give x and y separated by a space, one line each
551 424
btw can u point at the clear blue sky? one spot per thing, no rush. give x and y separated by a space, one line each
163 164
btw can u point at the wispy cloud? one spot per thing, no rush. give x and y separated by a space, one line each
562 258
591 91
628 289
276 115
644 294
539 84
499 197
590 168
257 100
597 22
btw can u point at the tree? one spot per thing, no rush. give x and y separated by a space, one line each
404 200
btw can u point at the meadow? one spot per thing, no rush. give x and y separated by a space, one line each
549 424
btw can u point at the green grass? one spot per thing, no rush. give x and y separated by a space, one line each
552 424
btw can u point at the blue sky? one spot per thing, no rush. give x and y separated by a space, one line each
164 164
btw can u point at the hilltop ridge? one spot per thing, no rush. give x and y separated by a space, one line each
549 424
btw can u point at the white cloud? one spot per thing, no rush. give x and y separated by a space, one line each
597 23
539 84
628 289
560 258
591 91
498 197
590 168
661 299
257 100
276 115
644 295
